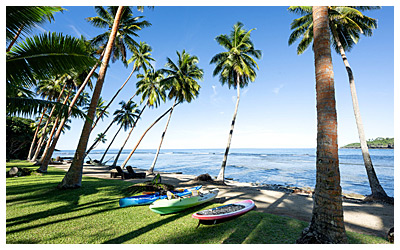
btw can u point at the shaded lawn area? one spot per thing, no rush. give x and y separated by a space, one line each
37 212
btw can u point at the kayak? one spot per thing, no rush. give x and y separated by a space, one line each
226 211
168 206
150 198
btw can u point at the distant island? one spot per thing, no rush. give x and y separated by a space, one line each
380 142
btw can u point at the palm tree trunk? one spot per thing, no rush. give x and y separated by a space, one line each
112 99
40 121
35 135
327 225
73 178
151 169
377 190
98 139
109 145
145 132
47 153
46 160
15 38
127 138
221 175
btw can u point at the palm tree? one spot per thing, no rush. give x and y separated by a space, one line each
141 58
73 177
47 89
183 87
128 28
126 116
346 23
21 20
152 91
39 57
327 225
236 67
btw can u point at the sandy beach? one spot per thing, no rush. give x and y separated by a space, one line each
367 218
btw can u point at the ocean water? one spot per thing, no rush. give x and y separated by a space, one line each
294 167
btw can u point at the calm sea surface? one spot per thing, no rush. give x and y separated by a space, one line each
294 167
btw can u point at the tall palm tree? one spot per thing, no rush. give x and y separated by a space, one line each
152 91
182 81
126 116
48 89
73 177
141 59
346 24
236 67
128 28
327 225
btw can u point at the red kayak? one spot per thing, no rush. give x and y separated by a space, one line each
226 211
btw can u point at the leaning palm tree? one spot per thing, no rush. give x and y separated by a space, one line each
141 59
152 91
126 116
73 177
236 67
49 89
128 28
346 24
327 224
182 81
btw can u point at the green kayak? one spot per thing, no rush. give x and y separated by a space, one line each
168 206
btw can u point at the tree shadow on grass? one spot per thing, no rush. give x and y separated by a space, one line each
168 218
41 192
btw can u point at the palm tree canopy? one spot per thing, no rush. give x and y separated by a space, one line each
237 61
27 17
141 56
151 88
347 21
128 27
127 114
44 56
181 77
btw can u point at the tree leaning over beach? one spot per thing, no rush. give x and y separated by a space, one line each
182 83
152 92
126 116
327 224
346 24
73 178
127 29
141 59
236 67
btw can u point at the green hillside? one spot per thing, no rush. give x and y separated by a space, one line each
387 143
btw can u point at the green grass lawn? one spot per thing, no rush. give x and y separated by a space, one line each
37 212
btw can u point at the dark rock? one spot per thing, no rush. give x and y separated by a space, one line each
203 177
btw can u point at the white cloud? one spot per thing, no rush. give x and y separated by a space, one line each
277 89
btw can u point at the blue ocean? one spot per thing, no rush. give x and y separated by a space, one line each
293 167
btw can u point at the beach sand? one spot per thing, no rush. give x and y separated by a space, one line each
367 218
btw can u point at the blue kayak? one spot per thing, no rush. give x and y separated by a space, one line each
150 198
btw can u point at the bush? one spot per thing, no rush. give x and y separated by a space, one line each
19 134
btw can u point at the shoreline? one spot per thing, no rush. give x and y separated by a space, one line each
367 218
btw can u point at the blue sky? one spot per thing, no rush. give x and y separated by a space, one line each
276 111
